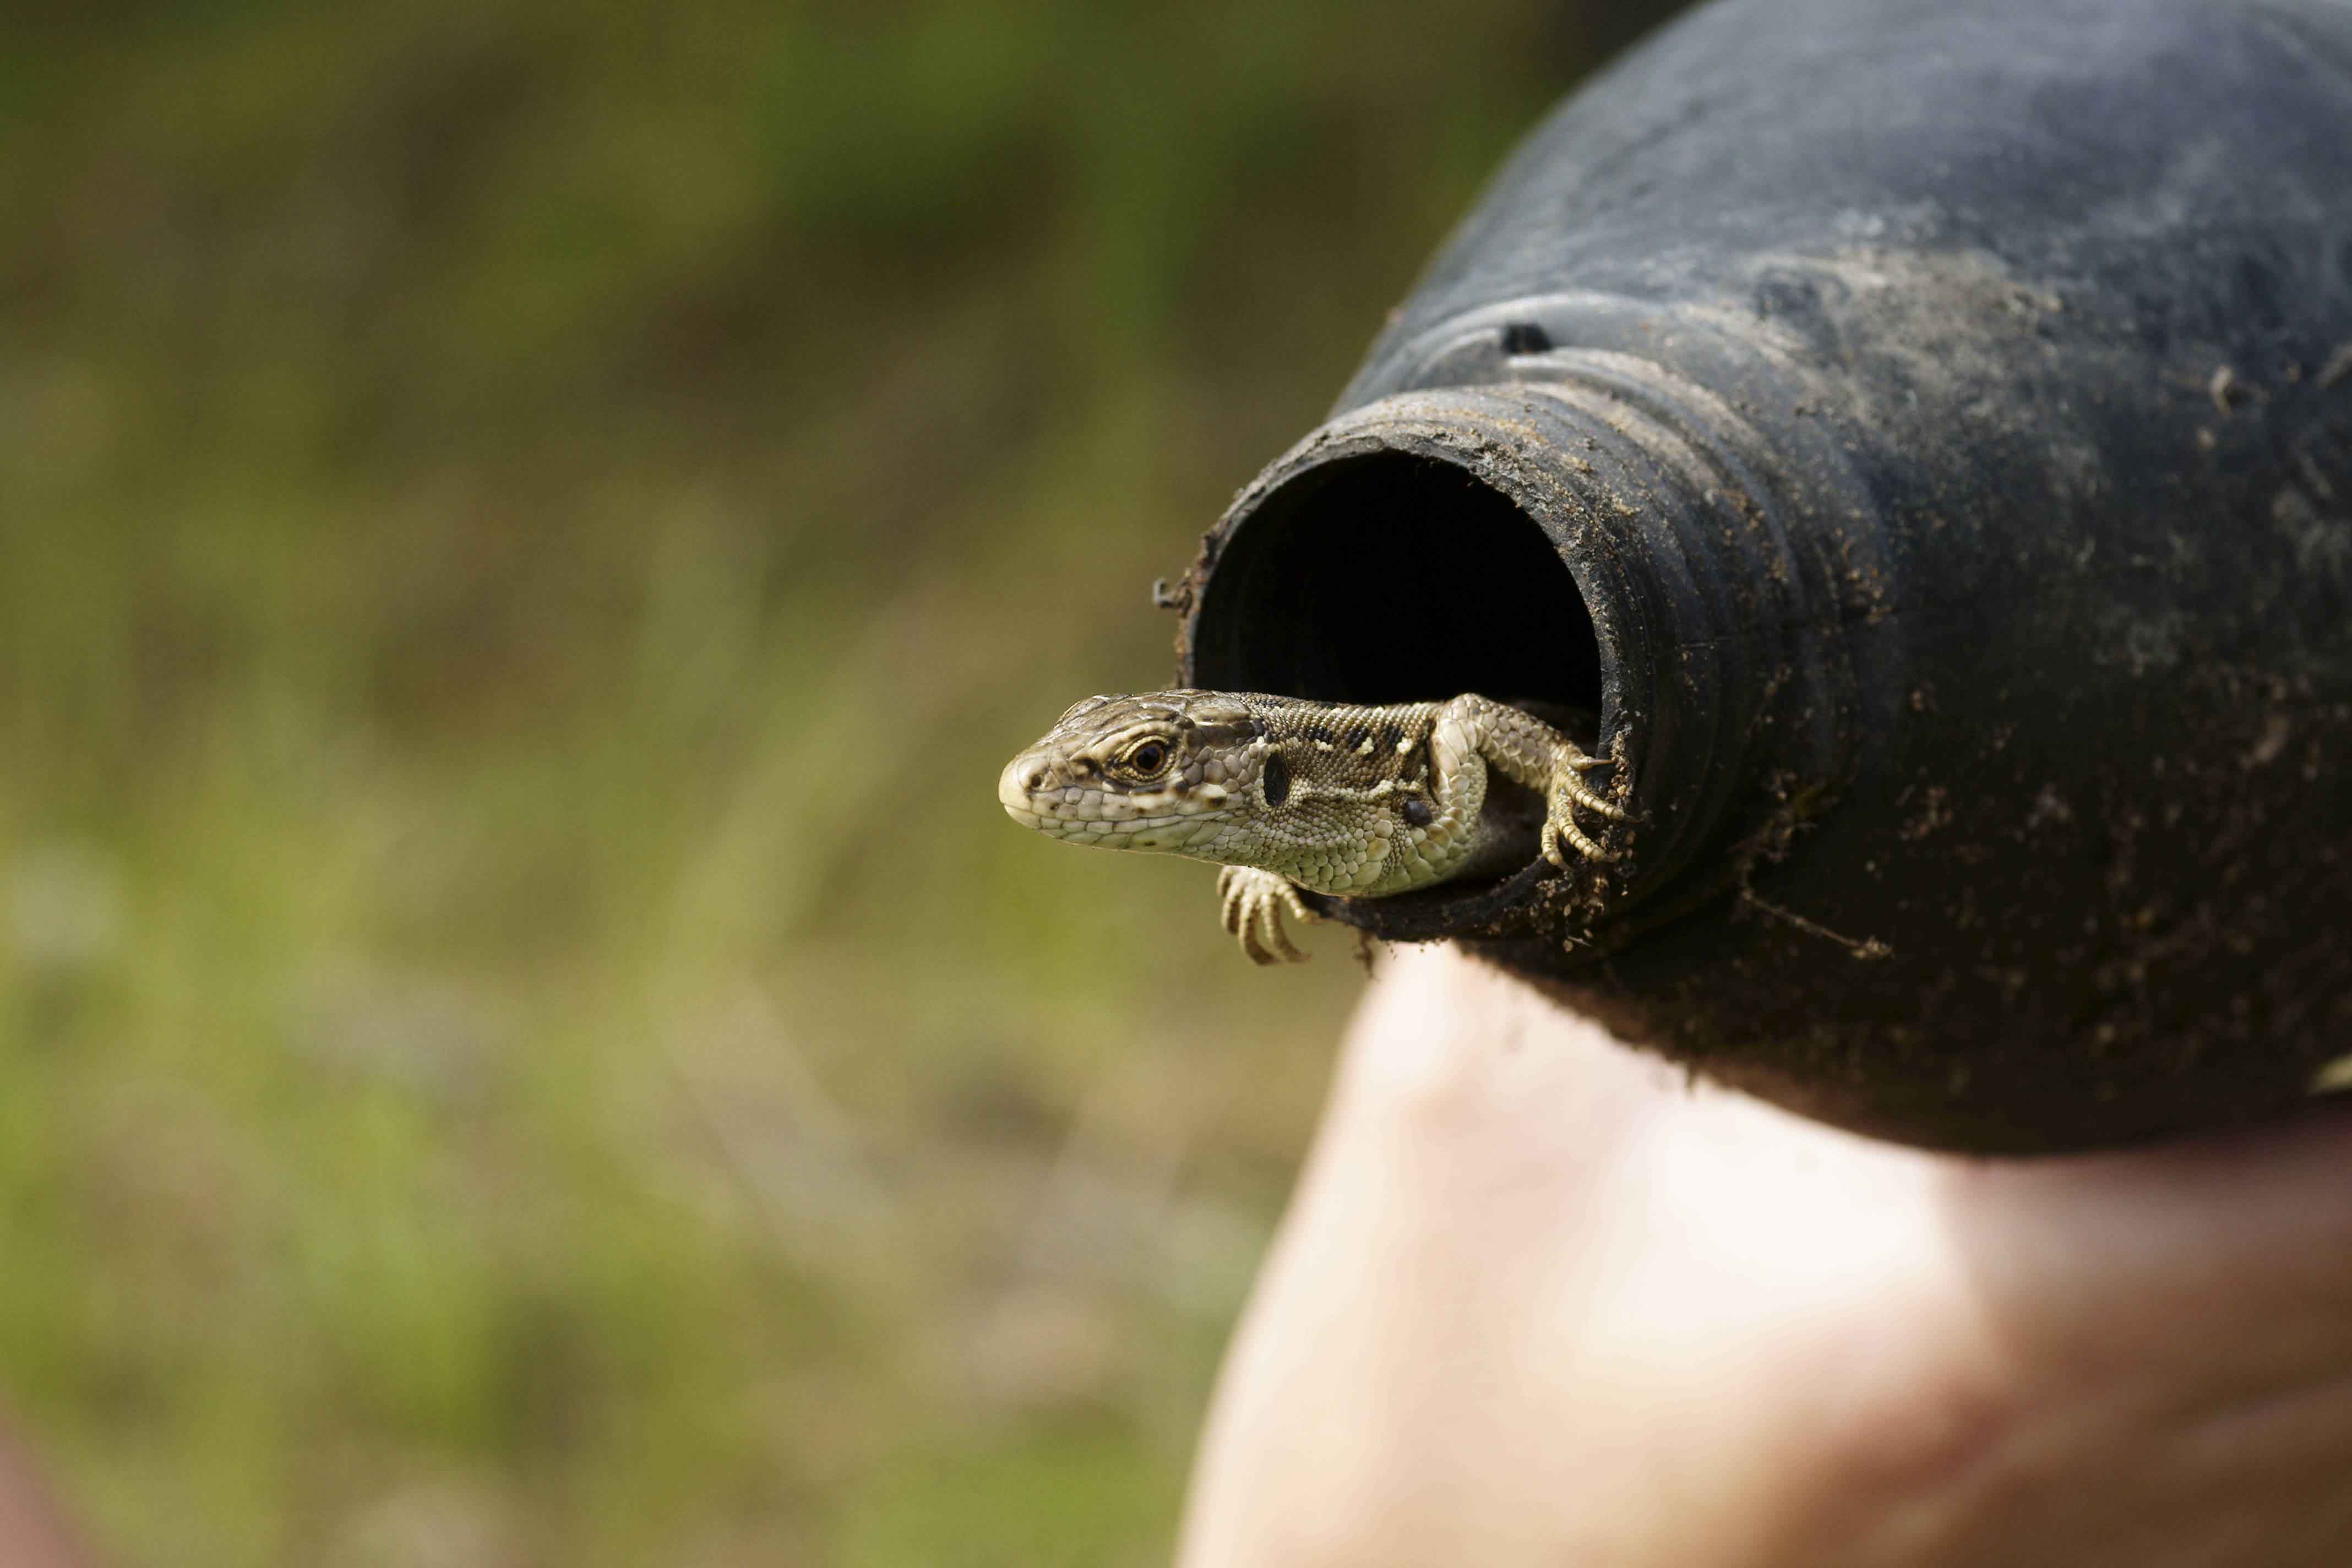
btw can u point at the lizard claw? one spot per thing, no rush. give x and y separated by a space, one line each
1560 832
1568 791
1567 786
1567 833
1252 904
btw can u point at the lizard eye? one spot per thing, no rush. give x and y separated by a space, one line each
1148 758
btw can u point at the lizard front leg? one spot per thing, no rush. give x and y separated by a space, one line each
1529 751
1253 901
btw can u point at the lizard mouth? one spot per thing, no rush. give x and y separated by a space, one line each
1033 795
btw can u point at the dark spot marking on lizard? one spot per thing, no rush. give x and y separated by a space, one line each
1317 732
1418 812
1277 780
1390 737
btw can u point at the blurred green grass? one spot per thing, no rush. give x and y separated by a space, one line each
526 531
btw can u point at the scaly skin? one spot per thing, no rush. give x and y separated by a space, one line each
1288 794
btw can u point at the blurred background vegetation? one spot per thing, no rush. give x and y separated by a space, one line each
526 531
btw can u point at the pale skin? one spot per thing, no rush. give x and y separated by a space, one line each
34 1532
1537 1300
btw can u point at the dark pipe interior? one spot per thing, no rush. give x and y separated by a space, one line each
1392 577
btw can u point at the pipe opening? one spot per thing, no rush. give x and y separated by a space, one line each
1388 577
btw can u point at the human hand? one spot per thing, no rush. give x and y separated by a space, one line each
1539 1301
33 1531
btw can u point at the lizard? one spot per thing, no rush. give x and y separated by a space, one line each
1285 793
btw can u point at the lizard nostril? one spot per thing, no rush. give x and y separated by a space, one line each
1036 778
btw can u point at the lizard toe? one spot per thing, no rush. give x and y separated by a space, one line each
1252 906
1571 789
1564 829
1242 890
1277 937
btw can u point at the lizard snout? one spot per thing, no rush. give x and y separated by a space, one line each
1035 790
1018 786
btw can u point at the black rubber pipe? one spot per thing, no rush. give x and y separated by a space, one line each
1921 434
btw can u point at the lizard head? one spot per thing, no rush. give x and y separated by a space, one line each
1168 770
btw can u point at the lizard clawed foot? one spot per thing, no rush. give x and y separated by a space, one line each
1569 788
1568 791
1253 903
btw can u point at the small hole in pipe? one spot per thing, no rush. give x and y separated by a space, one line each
1525 338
